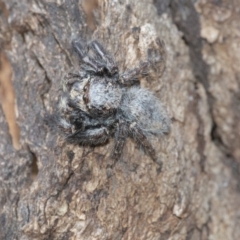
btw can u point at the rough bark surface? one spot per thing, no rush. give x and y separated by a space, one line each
197 193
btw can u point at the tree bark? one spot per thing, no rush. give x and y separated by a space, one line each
53 190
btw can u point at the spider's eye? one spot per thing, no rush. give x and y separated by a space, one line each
85 88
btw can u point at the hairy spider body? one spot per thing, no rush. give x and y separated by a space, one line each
98 103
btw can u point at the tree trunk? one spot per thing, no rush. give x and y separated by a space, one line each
53 190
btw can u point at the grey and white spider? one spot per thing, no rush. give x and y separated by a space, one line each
99 103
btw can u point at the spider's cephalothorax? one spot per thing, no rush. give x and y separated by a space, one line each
99 103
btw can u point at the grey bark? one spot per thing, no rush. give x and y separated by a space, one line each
196 195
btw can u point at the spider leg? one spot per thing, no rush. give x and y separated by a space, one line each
132 76
157 57
92 136
90 64
156 60
120 139
138 135
110 64
79 48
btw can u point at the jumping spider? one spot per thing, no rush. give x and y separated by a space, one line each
99 103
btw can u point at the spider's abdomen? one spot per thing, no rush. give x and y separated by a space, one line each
141 106
104 97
